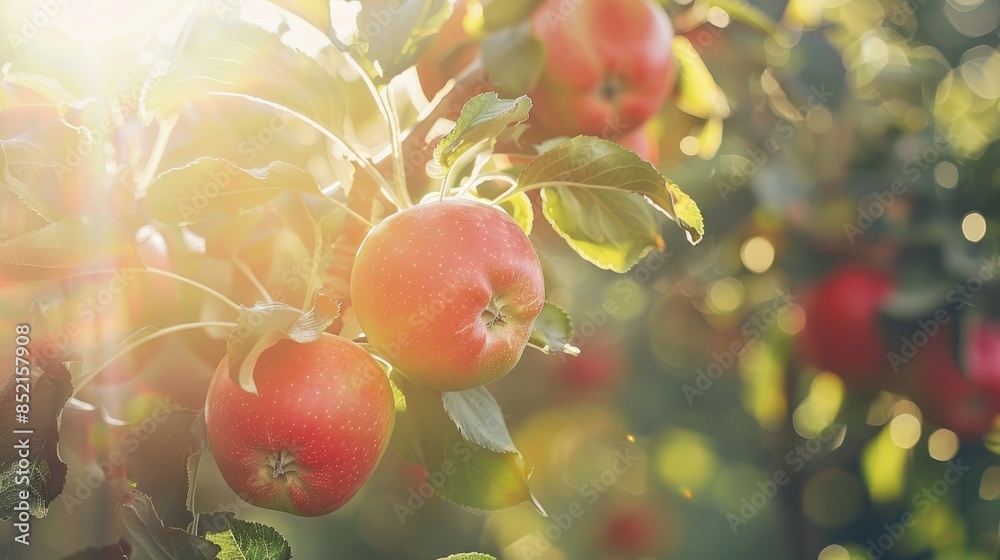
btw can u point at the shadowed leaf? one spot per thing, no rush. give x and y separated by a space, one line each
159 542
553 330
393 33
484 470
46 474
170 443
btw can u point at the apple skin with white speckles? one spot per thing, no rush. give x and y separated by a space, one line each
448 292
312 436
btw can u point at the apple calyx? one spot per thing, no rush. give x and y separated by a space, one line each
493 315
611 87
281 463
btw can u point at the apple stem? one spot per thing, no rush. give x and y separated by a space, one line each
281 461
87 375
243 267
395 138
316 257
190 496
452 179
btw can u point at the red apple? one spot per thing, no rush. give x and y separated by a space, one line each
608 67
949 398
448 292
600 367
842 331
982 353
448 54
312 436
635 530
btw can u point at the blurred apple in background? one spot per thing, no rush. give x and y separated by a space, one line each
636 529
842 332
949 398
609 65
601 366
981 353
449 53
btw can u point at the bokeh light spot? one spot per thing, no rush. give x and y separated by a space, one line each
974 227
718 17
946 174
685 460
942 444
689 145
989 484
819 120
834 552
905 430
726 295
757 254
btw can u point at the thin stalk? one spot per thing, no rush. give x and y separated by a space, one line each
317 253
452 178
190 500
249 273
159 148
159 272
513 186
79 384
398 165
185 280
364 163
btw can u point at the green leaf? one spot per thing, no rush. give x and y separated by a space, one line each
182 196
697 93
593 163
66 248
483 118
161 464
505 13
46 472
315 13
41 161
264 324
469 556
613 230
246 540
520 210
159 542
553 330
485 472
393 33
243 60
479 419
514 59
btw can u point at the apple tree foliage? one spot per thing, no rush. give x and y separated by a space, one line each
248 200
